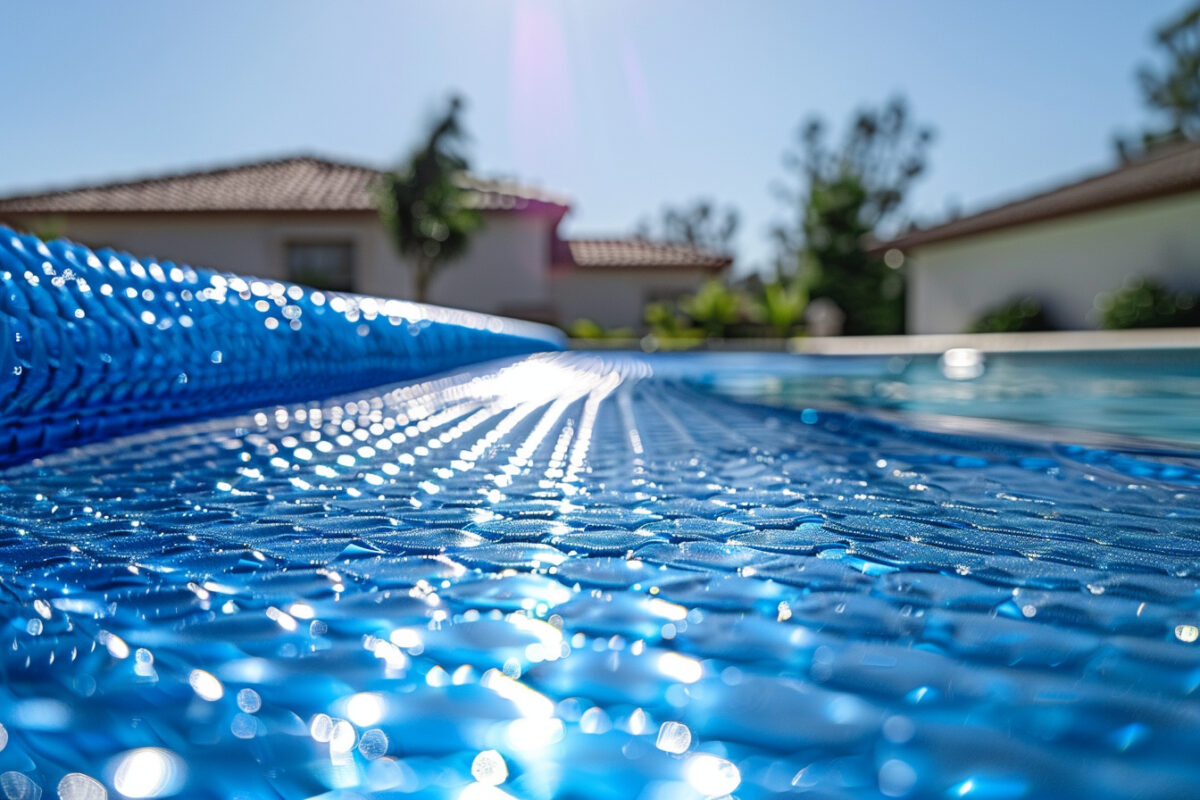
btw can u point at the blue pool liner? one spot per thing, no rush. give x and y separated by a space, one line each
100 343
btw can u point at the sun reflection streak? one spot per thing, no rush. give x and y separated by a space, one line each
680 667
532 704
587 422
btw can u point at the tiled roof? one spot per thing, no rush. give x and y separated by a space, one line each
302 183
1170 170
639 253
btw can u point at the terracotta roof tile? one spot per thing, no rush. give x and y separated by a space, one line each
639 254
1170 170
302 183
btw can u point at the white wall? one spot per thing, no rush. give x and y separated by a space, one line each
614 298
1064 263
240 244
504 272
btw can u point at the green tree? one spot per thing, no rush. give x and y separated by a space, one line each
1172 91
429 216
847 194
699 224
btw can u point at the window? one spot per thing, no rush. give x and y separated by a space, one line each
322 265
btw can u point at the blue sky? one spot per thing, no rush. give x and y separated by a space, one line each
621 104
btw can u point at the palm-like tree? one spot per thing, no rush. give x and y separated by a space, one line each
429 215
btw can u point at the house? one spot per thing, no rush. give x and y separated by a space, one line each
313 221
1062 247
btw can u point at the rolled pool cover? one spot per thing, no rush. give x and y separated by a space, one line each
99 343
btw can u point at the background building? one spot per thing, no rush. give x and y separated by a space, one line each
1062 247
313 221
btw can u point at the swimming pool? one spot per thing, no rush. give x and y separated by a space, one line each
575 575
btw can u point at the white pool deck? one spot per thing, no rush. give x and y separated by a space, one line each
1045 342
1048 342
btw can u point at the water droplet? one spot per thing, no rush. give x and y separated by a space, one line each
77 786
674 737
489 768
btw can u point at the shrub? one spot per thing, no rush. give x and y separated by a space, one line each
1143 303
587 329
1015 316
714 307
780 307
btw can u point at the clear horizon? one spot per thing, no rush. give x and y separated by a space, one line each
622 106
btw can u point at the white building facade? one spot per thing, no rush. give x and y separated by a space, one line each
1063 248
313 221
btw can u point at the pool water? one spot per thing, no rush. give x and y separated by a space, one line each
1145 393
569 575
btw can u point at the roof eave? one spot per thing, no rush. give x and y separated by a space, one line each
1183 179
533 202
937 235
528 207
168 212
714 268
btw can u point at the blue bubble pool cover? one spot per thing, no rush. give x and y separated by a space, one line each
94 344
564 575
